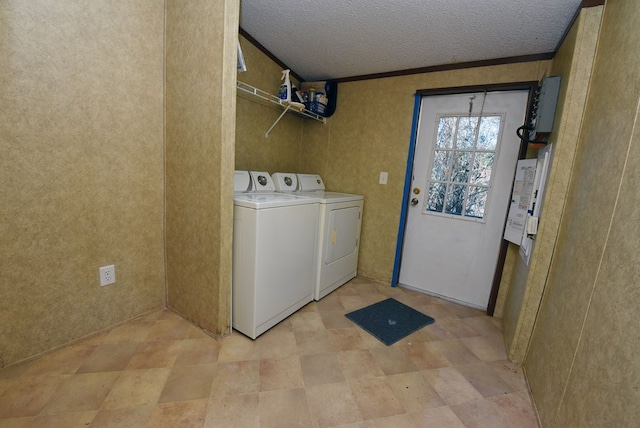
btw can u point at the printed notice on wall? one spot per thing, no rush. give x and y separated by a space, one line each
521 199
535 204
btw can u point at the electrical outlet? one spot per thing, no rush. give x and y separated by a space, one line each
107 275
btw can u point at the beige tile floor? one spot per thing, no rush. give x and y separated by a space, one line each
315 369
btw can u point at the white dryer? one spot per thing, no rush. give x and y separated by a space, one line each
274 253
338 233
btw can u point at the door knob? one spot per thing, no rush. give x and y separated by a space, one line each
414 201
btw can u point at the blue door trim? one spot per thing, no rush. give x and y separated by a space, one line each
407 190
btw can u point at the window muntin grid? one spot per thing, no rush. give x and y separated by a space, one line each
464 156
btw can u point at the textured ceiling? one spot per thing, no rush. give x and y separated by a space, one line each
333 39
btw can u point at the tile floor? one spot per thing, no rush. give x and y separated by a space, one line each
315 369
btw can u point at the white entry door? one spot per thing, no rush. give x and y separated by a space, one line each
465 158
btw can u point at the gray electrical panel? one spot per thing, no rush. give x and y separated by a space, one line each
544 108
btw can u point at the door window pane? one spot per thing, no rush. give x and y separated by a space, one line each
466 132
482 167
461 173
440 169
476 202
488 132
435 201
461 166
455 199
446 129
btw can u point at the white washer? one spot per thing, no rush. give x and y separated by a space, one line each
339 229
274 252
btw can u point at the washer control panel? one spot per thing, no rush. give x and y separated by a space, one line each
262 181
285 181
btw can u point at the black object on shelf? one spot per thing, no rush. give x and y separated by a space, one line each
330 90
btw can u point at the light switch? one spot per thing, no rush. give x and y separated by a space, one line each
383 177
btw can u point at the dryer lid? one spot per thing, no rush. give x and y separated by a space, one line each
285 181
241 181
262 181
310 182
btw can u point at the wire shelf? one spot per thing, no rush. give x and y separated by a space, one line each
275 100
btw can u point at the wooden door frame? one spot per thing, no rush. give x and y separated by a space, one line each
531 87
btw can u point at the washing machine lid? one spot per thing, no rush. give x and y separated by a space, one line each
262 181
310 182
331 197
258 200
285 181
241 181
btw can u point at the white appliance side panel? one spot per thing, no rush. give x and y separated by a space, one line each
274 268
338 261
244 271
285 254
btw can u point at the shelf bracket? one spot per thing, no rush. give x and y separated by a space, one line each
266 134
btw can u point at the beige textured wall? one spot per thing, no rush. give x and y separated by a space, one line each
280 152
201 40
370 133
574 62
583 364
81 137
